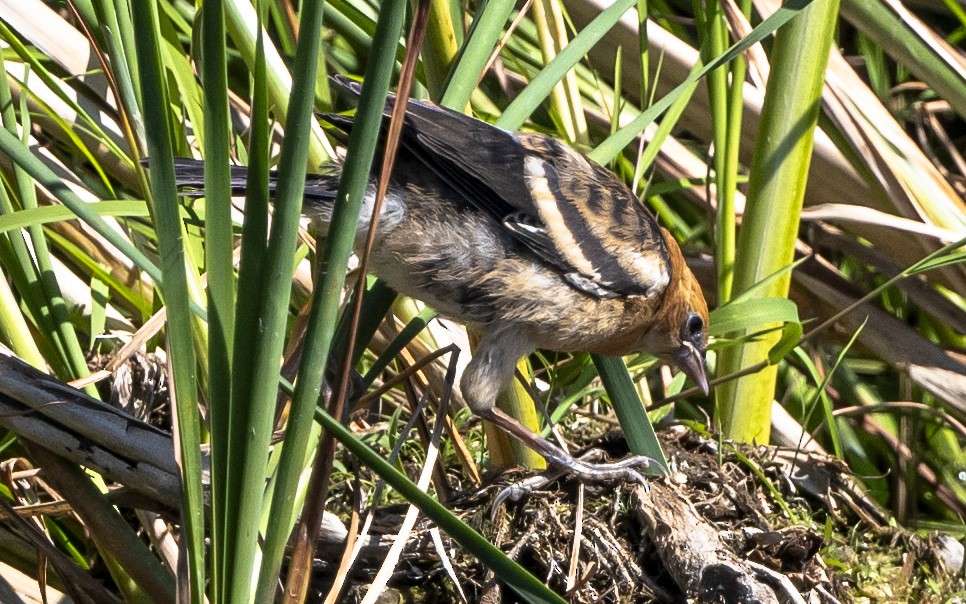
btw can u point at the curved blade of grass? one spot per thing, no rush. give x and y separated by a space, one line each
745 314
69 129
762 285
791 336
776 494
604 152
938 262
119 208
510 572
944 256
356 27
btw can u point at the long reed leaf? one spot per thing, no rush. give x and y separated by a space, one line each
769 230
176 294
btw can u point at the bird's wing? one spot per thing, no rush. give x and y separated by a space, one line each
572 213
596 223
569 212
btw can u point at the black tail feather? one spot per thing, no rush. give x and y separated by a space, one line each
189 174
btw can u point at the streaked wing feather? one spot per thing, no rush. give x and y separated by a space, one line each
595 221
534 235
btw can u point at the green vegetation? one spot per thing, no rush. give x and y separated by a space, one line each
810 163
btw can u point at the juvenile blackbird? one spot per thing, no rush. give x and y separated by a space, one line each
528 242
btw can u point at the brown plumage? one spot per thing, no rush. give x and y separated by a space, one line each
531 244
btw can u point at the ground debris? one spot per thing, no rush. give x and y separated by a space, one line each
730 523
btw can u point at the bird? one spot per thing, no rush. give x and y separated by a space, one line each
526 241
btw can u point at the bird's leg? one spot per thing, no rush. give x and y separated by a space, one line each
491 368
625 470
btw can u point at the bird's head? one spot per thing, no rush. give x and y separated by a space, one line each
679 334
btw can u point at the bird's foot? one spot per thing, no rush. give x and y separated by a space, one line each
561 463
585 469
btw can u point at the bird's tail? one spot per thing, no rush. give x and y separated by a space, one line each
320 189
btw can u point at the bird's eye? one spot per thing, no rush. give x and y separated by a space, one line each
695 325
693 331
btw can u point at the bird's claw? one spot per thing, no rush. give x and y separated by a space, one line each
582 468
522 488
624 470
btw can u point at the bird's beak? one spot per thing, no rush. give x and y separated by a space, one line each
691 362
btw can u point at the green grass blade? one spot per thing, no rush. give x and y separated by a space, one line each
230 419
174 288
219 244
484 34
45 177
439 49
241 25
251 430
52 298
942 74
634 421
13 325
542 85
291 181
121 208
745 314
406 335
326 298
